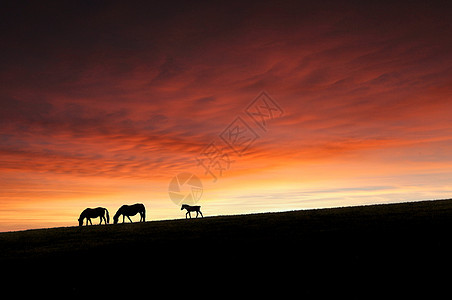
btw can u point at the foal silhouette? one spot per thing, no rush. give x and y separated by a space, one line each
190 208
130 210
94 213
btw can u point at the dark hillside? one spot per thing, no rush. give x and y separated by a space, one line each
311 251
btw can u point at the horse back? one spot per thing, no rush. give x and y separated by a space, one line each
93 212
138 207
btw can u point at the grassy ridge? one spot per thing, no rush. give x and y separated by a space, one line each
326 245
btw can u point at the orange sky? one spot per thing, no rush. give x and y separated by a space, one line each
103 104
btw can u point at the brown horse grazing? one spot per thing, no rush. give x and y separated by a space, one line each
94 213
190 208
130 210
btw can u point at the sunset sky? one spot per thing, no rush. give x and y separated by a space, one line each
104 102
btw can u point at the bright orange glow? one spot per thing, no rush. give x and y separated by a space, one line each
108 114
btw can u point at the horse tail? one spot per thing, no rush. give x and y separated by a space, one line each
108 216
143 215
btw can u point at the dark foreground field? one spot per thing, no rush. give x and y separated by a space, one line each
372 249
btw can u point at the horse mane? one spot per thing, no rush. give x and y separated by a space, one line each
118 213
83 213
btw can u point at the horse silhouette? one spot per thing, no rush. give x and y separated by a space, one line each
130 210
190 209
94 213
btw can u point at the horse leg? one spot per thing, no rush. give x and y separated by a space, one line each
129 219
187 214
197 214
123 217
201 214
89 219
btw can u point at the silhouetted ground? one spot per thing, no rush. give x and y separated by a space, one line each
375 250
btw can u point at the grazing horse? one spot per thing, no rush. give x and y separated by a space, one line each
190 209
94 213
130 210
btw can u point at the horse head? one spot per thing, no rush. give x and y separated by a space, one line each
80 221
183 206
